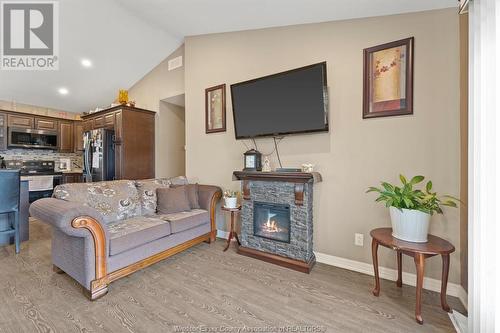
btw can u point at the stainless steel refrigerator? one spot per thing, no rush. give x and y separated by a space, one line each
99 155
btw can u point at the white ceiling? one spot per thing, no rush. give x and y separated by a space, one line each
127 38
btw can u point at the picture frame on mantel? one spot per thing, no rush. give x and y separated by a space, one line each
388 79
215 109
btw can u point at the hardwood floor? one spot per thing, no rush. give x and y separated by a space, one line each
205 286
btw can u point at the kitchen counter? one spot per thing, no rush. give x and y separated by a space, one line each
72 171
23 217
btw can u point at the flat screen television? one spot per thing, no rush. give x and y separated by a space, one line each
290 102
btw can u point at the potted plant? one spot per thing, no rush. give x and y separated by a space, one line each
411 208
230 199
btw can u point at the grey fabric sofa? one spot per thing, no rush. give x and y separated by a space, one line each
107 230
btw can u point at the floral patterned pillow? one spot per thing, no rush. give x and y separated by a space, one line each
147 191
115 200
147 194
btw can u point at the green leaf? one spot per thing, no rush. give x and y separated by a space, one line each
388 186
449 203
403 179
372 189
416 180
428 187
407 202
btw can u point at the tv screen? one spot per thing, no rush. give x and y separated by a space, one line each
284 103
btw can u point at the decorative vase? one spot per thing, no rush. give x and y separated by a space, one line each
231 202
410 225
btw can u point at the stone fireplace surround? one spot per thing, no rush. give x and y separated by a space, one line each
288 188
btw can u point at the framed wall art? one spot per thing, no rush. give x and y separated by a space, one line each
215 109
388 79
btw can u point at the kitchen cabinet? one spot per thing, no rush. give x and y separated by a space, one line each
109 119
78 136
66 137
3 131
134 131
98 122
87 125
76 177
46 124
19 121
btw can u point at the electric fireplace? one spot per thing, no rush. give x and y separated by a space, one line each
271 221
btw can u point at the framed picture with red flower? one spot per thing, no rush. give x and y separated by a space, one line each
388 79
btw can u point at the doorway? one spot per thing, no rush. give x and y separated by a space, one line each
171 138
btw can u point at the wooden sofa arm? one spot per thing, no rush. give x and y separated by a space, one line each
99 286
209 196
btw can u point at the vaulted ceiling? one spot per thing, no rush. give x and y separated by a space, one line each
125 39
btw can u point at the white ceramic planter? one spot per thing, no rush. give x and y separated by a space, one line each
410 225
231 202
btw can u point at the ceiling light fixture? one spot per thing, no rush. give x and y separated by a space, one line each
63 91
86 63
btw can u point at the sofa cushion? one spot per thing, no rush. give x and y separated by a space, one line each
192 194
147 191
115 200
186 220
130 233
147 194
172 200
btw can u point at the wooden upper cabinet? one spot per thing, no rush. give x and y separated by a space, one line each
87 125
78 136
66 137
46 124
3 131
14 120
98 122
109 119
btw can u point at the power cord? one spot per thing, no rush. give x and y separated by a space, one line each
277 150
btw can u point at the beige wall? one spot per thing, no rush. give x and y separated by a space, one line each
356 153
148 93
38 110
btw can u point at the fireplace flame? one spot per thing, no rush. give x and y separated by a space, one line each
271 226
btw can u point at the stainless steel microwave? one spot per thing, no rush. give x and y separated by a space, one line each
31 138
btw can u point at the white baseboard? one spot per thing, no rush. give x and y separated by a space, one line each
410 279
222 234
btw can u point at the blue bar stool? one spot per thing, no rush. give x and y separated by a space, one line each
10 187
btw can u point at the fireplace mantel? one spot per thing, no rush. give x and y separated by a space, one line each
298 178
291 177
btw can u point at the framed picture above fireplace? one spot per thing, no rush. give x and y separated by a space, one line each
388 79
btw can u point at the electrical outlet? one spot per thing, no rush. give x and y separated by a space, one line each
358 239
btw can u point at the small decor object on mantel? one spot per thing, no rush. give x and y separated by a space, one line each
388 79
266 166
411 209
215 109
230 199
253 160
307 167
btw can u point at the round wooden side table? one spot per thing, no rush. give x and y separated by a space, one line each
232 232
419 252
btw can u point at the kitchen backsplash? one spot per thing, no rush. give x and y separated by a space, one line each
44 155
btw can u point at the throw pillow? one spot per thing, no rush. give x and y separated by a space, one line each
172 200
192 193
